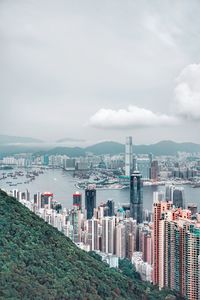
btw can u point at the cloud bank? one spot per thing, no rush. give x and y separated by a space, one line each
186 105
133 117
187 93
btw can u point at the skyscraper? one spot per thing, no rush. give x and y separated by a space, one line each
178 197
76 223
143 165
111 207
90 201
92 234
108 229
154 170
159 207
128 156
77 200
120 242
176 250
46 200
136 197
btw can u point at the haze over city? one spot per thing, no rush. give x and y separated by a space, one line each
99 70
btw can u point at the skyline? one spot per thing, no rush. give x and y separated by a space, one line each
100 70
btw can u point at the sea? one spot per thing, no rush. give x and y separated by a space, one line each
62 185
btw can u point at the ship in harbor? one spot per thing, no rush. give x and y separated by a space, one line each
196 185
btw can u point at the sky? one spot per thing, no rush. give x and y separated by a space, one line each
100 70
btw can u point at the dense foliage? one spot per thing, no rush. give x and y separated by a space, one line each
39 262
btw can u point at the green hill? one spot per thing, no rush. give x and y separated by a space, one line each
160 148
69 151
106 148
39 262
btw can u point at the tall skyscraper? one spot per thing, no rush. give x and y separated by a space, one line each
37 200
169 192
76 223
130 233
77 200
120 241
93 234
159 208
111 207
108 229
90 201
128 156
178 197
46 200
143 166
136 197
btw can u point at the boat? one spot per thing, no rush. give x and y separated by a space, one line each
196 185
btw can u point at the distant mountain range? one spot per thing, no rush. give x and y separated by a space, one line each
161 148
11 145
7 139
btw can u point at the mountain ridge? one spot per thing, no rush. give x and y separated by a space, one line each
161 148
166 147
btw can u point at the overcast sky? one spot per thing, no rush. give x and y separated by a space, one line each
100 70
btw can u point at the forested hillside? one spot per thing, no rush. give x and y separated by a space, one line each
39 262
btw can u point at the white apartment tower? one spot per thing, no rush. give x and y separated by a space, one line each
108 231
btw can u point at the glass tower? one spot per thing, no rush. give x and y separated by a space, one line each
90 202
136 197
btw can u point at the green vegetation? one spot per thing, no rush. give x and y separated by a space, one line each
39 262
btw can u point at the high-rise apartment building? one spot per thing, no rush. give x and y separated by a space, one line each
120 241
159 208
131 233
46 200
108 234
75 219
37 200
136 197
128 156
77 200
92 238
176 250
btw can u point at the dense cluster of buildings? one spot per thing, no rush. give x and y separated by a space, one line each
183 166
163 244
176 249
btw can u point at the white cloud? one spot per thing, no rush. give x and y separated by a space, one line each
187 93
133 117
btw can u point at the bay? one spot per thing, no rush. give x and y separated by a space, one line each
62 185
